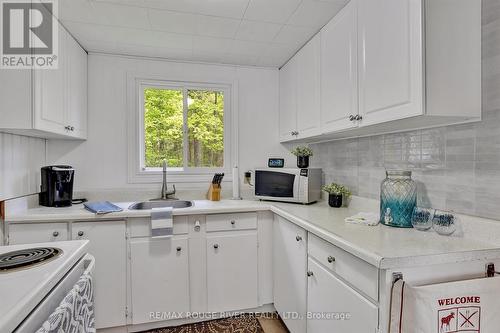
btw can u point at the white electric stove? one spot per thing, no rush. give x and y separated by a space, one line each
34 278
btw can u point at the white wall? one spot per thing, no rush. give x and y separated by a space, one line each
20 160
101 161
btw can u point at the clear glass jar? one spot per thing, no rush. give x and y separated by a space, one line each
398 198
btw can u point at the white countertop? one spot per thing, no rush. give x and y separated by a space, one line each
381 246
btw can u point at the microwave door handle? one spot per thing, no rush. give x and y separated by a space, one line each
296 188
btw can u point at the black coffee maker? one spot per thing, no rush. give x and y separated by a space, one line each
57 186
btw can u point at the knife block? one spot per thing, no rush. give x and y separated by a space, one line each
213 193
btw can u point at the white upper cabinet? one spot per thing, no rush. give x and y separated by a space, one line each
387 65
47 103
300 93
288 101
339 71
308 89
390 60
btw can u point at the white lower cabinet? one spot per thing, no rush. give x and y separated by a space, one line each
108 246
159 278
290 279
333 306
37 233
232 271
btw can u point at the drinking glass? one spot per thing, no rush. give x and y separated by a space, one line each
444 223
421 218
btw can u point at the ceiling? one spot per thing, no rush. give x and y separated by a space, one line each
243 32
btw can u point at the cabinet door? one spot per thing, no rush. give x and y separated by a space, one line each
328 295
159 277
308 89
290 279
288 101
37 233
232 279
108 246
76 114
390 60
339 71
50 89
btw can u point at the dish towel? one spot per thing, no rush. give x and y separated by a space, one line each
468 306
75 313
370 219
162 223
102 207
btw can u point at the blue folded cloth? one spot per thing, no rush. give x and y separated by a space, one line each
102 207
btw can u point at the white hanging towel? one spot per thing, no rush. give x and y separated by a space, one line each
469 306
162 223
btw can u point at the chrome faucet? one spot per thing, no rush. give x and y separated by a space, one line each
165 193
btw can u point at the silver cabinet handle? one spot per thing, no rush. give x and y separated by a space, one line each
358 117
216 246
179 249
331 259
233 222
80 233
67 128
55 233
298 238
197 226
310 273
352 118
71 128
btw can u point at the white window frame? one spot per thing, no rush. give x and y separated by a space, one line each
137 172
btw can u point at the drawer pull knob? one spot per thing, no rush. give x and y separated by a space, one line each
197 225
179 249
80 233
216 246
233 222
331 259
310 273
298 238
55 233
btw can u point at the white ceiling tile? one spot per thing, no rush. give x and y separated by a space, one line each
153 51
224 8
80 11
171 21
290 34
257 31
211 44
216 26
123 16
247 47
139 3
314 13
239 59
277 11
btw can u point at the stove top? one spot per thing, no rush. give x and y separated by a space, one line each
28 272
26 258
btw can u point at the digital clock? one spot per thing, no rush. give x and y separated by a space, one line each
276 163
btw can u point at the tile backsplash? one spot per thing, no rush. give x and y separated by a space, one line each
456 167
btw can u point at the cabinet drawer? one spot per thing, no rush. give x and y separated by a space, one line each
141 227
355 271
37 233
225 222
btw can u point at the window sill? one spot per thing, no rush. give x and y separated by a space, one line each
150 177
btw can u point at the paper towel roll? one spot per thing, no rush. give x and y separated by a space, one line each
236 183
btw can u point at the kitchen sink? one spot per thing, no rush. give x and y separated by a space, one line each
160 204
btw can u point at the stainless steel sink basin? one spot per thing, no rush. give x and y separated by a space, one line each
160 204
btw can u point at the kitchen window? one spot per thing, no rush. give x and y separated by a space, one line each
187 125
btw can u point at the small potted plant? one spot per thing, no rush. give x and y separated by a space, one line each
303 153
336 193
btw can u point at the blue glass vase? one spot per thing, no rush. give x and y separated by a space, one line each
398 198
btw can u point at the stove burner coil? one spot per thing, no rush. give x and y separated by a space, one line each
27 257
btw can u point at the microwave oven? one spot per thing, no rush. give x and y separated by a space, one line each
288 185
